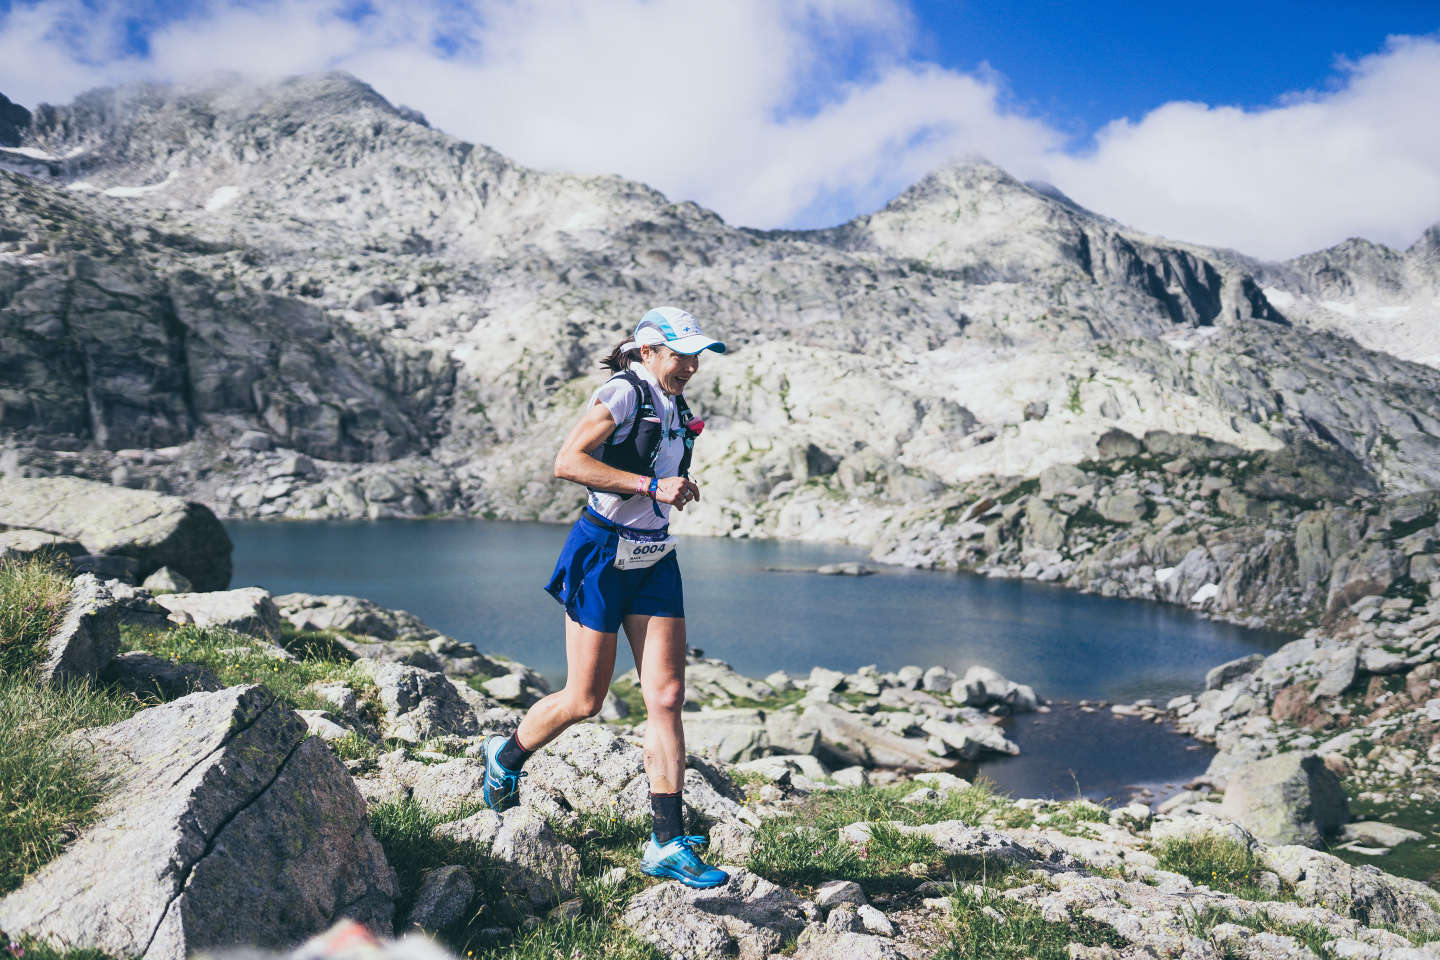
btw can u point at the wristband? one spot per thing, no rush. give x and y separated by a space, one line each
642 487
654 487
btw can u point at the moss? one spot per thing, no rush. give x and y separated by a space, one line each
1024 488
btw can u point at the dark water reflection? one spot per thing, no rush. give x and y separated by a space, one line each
480 582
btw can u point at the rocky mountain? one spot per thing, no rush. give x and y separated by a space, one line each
298 300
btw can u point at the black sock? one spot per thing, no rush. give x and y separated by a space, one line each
512 756
669 816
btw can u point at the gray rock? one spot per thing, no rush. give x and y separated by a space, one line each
729 736
20 544
250 611
153 529
937 678
827 945
477 831
321 724
835 892
1379 834
420 704
823 679
534 860
441 900
1362 891
843 919
875 922
507 687
1126 507
148 676
613 708
443 787
848 740
1115 444
749 917
969 740
1339 675
851 777
89 634
373 632
197 846
166 580
1233 670
1290 798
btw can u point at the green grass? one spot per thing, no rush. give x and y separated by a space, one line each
49 789
805 848
237 658
628 691
33 597
1219 862
987 926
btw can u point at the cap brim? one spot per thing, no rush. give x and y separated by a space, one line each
689 346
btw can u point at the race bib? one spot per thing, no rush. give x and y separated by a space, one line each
639 554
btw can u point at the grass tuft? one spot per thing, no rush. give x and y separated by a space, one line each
49 788
987 926
805 847
1219 862
237 658
33 597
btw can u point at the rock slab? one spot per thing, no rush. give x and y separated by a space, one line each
226 825
155 529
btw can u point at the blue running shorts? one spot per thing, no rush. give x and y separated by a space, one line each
598 596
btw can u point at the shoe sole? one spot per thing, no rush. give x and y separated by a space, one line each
682 877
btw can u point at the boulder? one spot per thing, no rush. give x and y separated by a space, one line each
250 611
19 544
847 739
1290 798
968 740
199 844
749 917
1128 507
1365 892
373 632
825 944
155 529
729 736
444 894
89 634
1115 444
148 676
1232 670
166 580
420 704
715 679
839 891
533 860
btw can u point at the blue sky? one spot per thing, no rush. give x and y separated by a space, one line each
1274 128
1081 65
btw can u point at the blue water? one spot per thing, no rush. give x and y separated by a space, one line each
480 581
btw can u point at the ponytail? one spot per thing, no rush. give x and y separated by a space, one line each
621 358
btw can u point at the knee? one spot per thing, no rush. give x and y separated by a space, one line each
581 704
668 696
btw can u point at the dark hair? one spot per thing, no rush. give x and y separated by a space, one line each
621 359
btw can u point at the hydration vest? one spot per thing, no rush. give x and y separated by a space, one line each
640 449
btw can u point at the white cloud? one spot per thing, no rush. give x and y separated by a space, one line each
778 112
1361 160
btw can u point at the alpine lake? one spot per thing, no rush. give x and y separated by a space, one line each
760 606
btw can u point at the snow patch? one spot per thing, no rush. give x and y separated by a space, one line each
1389 313
1344 309
1281 299
222 197
1205 594
125 192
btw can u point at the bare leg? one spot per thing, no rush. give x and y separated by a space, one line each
659 647
590 661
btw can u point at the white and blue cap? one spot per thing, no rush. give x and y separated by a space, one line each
673 328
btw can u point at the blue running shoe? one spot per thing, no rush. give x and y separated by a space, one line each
502 786
677 859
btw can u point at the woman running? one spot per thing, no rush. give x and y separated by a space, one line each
631 449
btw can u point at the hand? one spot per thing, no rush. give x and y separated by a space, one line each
677 491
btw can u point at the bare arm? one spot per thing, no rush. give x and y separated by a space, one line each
573 463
